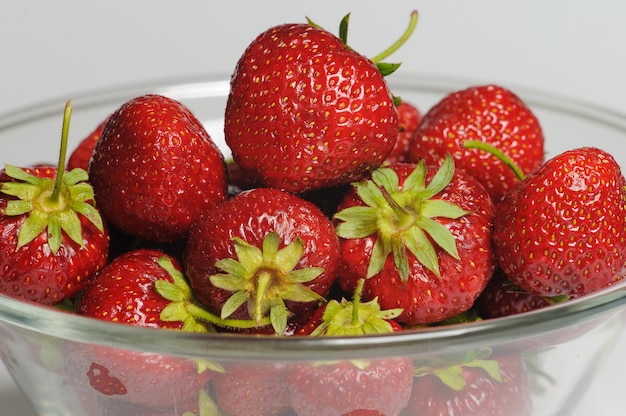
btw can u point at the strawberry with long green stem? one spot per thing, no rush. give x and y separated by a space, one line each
54 238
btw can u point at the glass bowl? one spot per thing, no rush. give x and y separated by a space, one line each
546 358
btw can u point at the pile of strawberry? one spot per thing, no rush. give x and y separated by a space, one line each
338 196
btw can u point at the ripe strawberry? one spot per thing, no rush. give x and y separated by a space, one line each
126 291
306 111
477 385
81 156
53 238
155 169
562 230
421 237
490 114
409 118
264 255
251 389
502 297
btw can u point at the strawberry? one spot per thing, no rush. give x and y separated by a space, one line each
264 255
306 111
81 155
502 297
561 231
488 114
351 387
128 291
409 118
251 389
54 239
155 169
476 385
420 236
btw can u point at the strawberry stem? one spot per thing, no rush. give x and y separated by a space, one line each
475 144
356 301
58 180
401 41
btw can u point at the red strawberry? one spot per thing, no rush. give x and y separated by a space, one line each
263 253
155 169
352 387
81 156
502 297
421 237
128 291
53 238
306 111
251 389
476 386
562 230
409 118
489 114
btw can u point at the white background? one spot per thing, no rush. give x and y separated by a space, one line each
51 49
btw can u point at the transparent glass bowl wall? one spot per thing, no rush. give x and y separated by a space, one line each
561 346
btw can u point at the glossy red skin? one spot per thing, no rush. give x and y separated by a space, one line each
251 215
305 112
486 113
80 157
341 388
562 231
155 169
482 395
424 297
123 292
503 298
251 389
36 274
409 118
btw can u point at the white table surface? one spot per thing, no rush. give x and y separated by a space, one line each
575 47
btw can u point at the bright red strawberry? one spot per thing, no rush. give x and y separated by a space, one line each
306 111
502 297
562 230
53 238
475 386
128 291
263 253
490 114
252 389
81 156
155 169
421 237
409 118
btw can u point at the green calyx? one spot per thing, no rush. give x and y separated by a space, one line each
354 317
52 204
263 278
452 374
403 219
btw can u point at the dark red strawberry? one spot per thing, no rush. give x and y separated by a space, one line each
264 255
155 169
409 118
306 111
421 237
488 113
252 389
129 291
502 297
81 156
562 230
53 238
475 386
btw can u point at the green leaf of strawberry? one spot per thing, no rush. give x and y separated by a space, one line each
402 218
263 278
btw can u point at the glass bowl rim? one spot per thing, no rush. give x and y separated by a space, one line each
66 326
